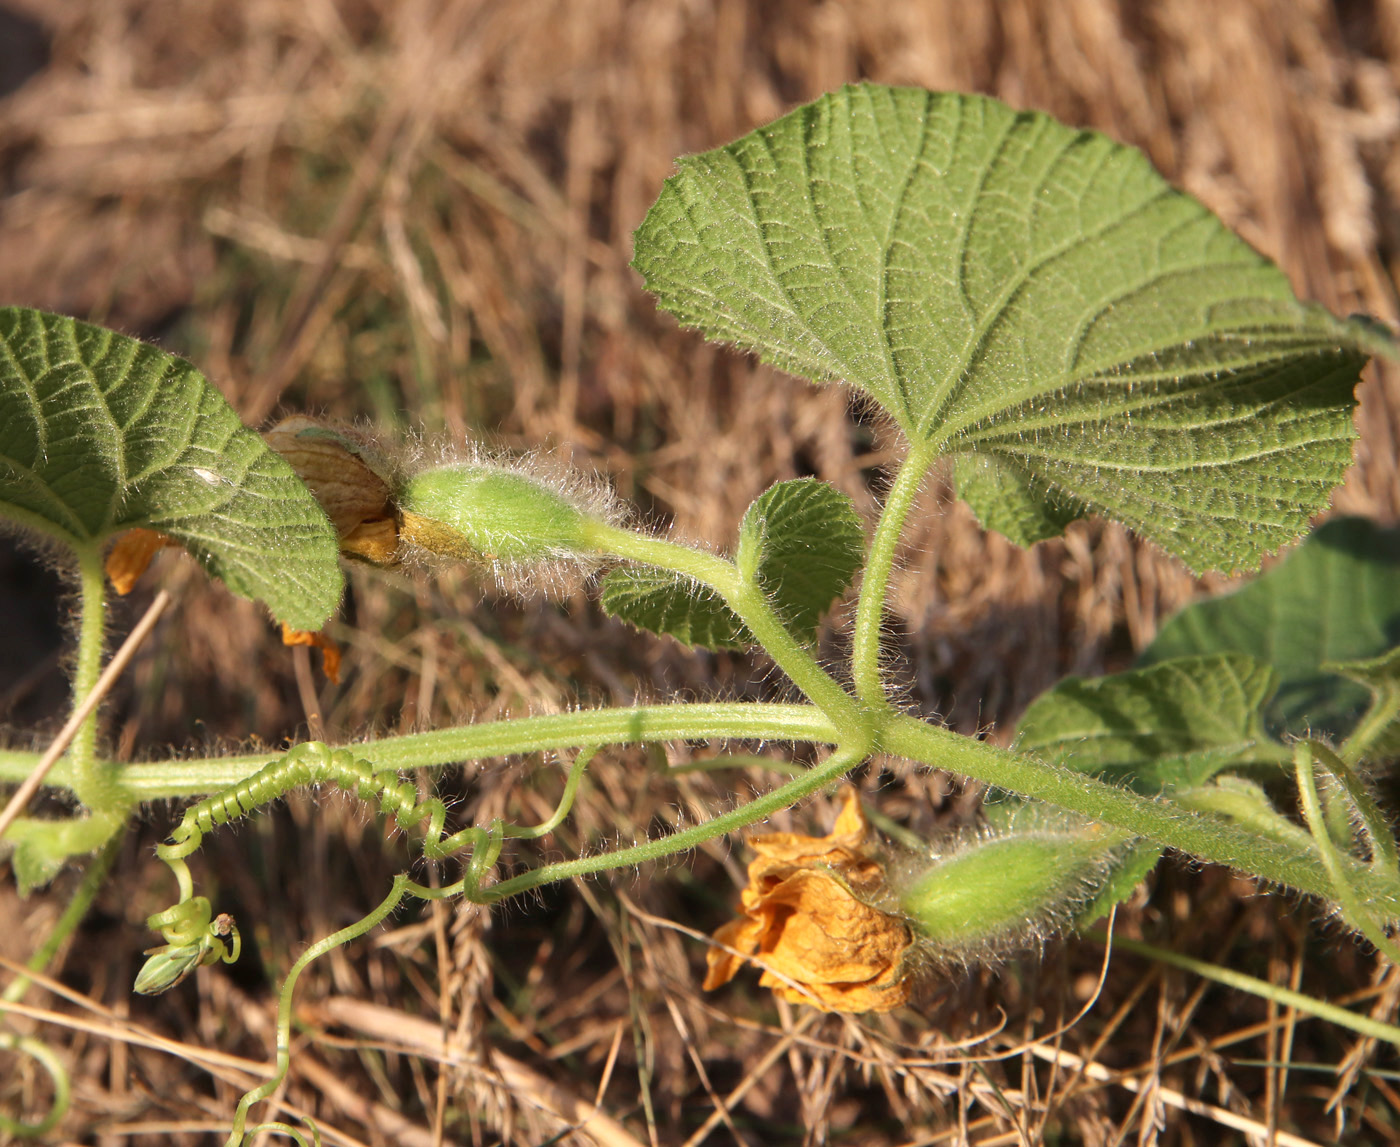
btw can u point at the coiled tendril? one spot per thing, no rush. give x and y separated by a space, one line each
194 936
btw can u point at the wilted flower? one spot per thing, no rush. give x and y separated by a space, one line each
130 555
811 916
349 480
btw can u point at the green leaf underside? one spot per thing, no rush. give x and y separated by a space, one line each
1012 288
804 542
100 433
1172 725
664 602
1336 598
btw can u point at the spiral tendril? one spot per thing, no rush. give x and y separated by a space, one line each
195 937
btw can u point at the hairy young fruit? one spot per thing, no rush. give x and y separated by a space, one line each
477 512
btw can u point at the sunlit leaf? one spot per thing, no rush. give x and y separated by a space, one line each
1035 297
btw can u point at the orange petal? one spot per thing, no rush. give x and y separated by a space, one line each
377 542
856 998
817 932
806 921
330 651
846 841
741 935
128 558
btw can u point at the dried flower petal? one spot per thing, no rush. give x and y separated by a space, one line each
807 919
128 558
330 651
345 477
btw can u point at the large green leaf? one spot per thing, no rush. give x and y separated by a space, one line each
1335 598
800 541
100 433
1037 297
1173 725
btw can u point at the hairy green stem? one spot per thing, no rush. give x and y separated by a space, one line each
874 586
87 772
745 599
1356 906
841 762
160 780
1205 837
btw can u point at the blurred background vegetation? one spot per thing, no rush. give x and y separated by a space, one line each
417 214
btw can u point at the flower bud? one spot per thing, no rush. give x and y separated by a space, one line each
485 513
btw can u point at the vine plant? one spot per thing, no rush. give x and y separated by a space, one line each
1030 304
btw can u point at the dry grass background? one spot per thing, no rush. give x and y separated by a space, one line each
419 213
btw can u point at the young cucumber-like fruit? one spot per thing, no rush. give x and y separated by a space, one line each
486 513
1004 887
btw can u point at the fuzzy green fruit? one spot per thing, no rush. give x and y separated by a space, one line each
1000 888
485 513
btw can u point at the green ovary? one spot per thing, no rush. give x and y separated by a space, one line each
485 513
1002 887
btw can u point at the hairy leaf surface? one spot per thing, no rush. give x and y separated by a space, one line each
1335 598
1032 298
664 602
1175 724
100 433
800 540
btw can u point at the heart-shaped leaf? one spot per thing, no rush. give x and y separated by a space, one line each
100 433
1033 296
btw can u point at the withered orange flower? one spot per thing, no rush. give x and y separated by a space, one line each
810 918
128 558
344 475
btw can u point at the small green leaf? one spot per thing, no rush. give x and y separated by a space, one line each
1010 288
800 540
42 847
804 542
100 433
665 602
1175 724
1335 598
